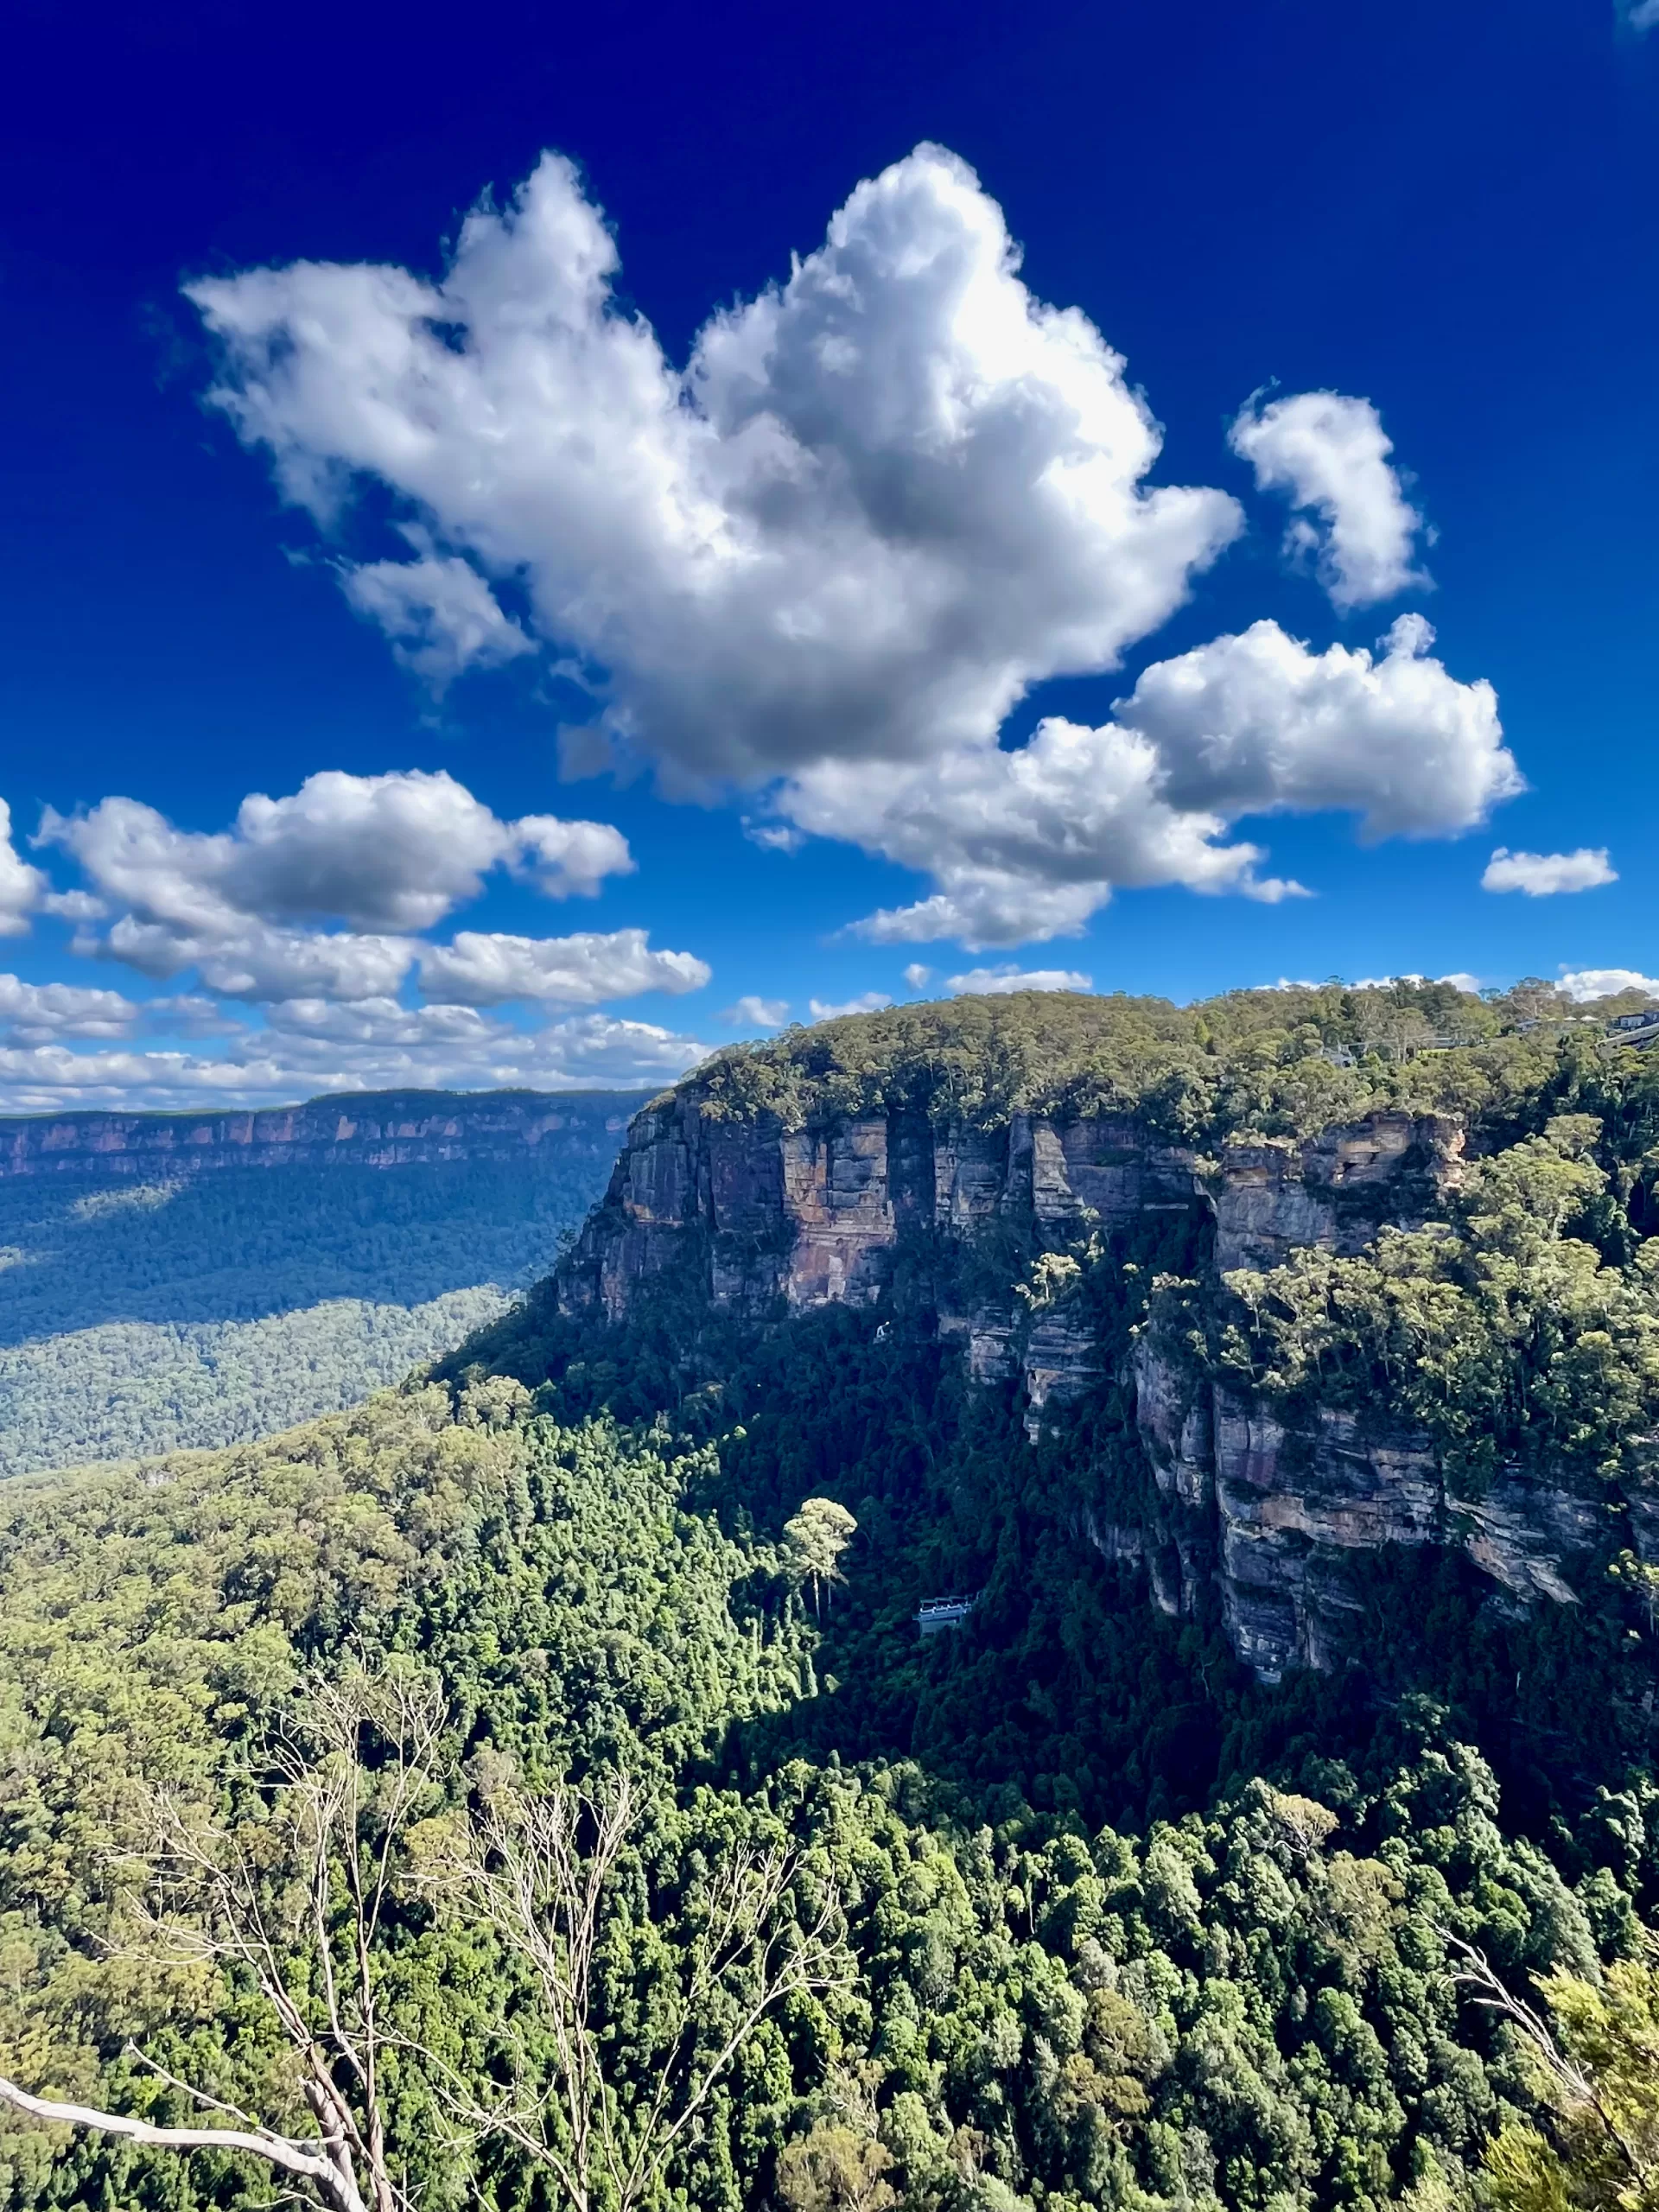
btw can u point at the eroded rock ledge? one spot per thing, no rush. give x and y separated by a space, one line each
759 1220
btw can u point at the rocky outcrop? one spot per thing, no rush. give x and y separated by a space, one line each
756 1219
1334 1191
767 1215
372 1129
759 1220
1274 1516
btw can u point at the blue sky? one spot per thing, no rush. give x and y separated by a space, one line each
472 614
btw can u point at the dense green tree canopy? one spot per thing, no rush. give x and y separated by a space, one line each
714 1897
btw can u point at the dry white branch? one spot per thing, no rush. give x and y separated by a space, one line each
541 1872
324 2163
295 1905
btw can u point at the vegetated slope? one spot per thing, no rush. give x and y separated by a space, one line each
168 1281
1429 1450
1112 1921
1253 2007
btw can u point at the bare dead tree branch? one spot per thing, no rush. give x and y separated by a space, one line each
1566 2075
541 1872
295 1905
326 2163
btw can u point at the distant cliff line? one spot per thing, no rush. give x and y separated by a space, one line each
384 1128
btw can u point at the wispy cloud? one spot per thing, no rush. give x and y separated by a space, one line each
867 1002
753 1013
309 1045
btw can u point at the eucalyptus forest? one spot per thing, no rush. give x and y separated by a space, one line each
527 1788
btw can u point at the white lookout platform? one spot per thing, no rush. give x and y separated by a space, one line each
944 1613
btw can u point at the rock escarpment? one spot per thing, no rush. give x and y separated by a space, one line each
1274 1517
757 1219
767 1218
370 1129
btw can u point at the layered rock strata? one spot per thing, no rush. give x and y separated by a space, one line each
1274 1517
759 1220
376 1129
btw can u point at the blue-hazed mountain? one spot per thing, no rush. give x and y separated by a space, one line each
200 1279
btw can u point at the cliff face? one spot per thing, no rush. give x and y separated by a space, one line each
764 1220
378 1129
1276 1516
767 1218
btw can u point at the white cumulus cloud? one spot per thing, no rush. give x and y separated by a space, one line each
308 1046
385 855
825 557
878 503
1329 454
22 889
37 1013
919 975
392 852
866 1003
753 1013
1541 875
1029 843
1585 983
488 968
997 982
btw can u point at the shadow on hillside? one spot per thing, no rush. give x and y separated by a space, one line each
244 1244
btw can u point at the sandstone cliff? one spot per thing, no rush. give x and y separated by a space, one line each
372 1129
757 1219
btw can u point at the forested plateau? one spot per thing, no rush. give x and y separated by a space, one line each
178 1280
532 1788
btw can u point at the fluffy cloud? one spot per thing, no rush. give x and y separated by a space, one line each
439 613
881 500
1028 844
1639 15
1259 724
996 983
258 964
385 855
35 1014
392 852
1543 875
22 887
1330 456
1024 844
753 1013
824 559
866 1003
308 1046
488 968
1583 983
919 975
247 908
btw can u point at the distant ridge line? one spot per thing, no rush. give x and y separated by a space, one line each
375 1128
